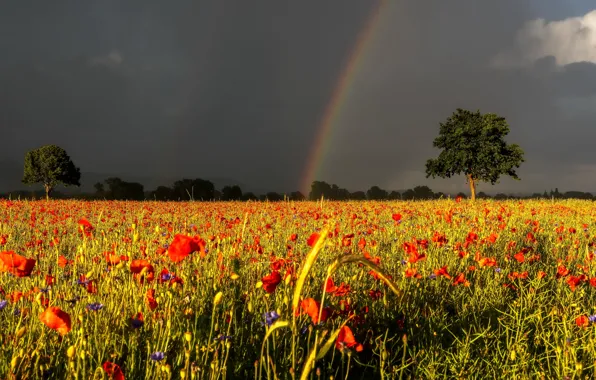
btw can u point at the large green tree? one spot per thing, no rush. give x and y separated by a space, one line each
50 165
473 145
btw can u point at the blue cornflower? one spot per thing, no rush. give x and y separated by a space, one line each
592 318
3 304
16 312
157 356
95 306
404 262
432 276
270 317
85 282
167 276
498 270
45 290
166 246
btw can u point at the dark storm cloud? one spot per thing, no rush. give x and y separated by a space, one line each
433 59
236 89
192 88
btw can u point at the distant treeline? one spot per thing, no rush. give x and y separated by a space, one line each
203 190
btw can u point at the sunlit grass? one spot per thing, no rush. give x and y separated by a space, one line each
428 289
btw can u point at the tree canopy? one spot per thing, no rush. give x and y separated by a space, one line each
473 145
50 165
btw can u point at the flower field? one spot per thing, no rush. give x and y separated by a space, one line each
358 290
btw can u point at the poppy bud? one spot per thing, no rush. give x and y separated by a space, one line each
70 352
217 298
21 332
14 362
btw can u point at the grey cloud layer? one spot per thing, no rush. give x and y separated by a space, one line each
236 89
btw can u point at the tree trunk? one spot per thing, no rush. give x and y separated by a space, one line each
48 190
472 187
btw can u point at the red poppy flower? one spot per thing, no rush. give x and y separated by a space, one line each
271 281
311 307
183 246
56 319
461 279
151 299
346 339
412 272
113 370
85 226
562 271
113 259
582 321
337 291
16 264
142 269
442 272
519 257
312 240
63 261
375 294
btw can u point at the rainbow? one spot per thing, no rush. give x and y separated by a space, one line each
322 138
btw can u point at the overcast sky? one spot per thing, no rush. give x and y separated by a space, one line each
237 89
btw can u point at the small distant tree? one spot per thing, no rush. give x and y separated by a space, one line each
249 197
473 144
394 195
297 196
231 193
319 189
376 193
51 166
408 195
358 195
483 195
423 192
162 193
273 196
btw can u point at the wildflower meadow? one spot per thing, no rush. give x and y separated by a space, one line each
297 290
